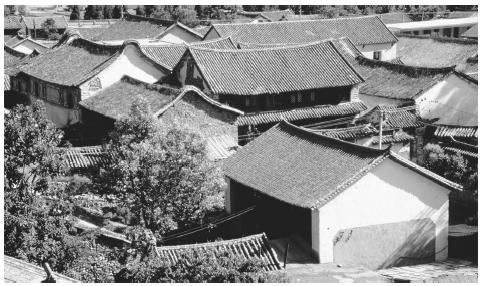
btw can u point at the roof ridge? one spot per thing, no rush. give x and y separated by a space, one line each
341 128
214 243
402 68
427 173
295 21
301 108
358 147
343 186
315 43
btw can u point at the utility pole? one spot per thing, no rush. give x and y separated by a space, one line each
380 131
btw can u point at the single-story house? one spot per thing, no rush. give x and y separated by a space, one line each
369 34
77 68
146 30
12 25
440 27
254 246
26 45
187 108
34 25
350 203
472 33
439 52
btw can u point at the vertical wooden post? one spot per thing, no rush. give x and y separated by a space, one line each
285 254
380 131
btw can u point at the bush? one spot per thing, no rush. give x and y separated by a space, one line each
194 267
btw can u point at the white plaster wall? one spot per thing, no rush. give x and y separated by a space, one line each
389 193
453 100
389 51
178 35
129 63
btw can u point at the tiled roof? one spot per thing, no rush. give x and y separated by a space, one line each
456 131
19 271
116 100
275 70
186 28
397 81
6 82
134 27
254 246
85 157
31 22
14 59
72 64
14 40
12 23
221 147
399 137
353 132
471 33
270 15
436 52
303 113
169 55
458 147
396 117
241 45
299 167
361 30
41 48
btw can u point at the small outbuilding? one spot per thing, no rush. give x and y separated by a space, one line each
349 203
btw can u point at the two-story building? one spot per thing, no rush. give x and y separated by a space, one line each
302 83
76 69
369 34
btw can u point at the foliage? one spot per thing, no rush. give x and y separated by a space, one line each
206 267
8 9
93 12
50 29
75 14
117 12
186 16
452 167
95 263
161 176
108 11
36 229
140 11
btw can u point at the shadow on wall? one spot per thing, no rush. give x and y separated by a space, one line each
386 245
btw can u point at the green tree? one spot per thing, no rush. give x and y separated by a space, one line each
75 14
140 11
36 228
194 267
88 12
186 16
161 176
117 12
50 29
108 11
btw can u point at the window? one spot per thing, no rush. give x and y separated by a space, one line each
247 101
447 32
299 97
426 32
456 32
416 33
377 55
37 89
313 96
293 98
